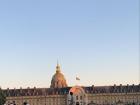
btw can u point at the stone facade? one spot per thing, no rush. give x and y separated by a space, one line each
60 94
101 95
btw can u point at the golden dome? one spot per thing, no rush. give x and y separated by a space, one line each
58 79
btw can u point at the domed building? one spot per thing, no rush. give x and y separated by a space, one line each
60 93
58 79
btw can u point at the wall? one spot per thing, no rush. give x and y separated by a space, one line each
38 100
113 98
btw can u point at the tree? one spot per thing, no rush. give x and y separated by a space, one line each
2 97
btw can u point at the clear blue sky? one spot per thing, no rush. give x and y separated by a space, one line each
96 40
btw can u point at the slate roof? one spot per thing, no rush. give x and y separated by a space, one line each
63 91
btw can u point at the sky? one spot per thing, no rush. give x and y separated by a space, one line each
96 40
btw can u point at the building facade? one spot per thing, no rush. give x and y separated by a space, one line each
60 93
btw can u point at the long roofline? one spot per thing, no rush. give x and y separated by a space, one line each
63 91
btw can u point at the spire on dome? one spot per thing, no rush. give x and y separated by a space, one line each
58 67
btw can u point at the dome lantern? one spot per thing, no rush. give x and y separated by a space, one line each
58 68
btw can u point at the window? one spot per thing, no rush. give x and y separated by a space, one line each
77 103
76 97
81 98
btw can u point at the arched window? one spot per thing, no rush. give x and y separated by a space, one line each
25 103
77 103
